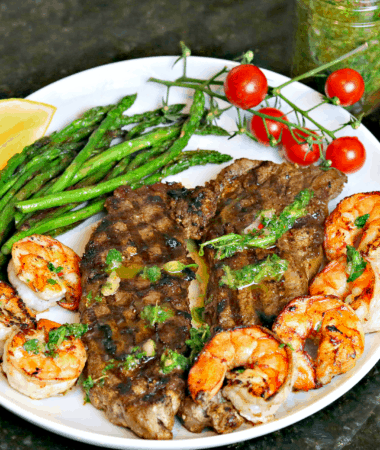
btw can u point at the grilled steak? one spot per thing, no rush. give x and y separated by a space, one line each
135 392
149 227
238 194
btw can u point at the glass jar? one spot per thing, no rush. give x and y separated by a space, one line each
327 29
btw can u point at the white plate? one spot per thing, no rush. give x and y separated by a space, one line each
67 415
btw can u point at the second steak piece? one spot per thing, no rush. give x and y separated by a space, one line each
230 204
134 332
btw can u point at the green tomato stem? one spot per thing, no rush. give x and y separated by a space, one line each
222 97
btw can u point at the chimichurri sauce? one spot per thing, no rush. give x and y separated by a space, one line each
327 29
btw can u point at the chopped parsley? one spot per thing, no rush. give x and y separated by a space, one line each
153 273
32 346
272 268
54 269
51 281
90 298
87 384
273 228
198 338
361 221
55 338
58 335
114 259
355 264
156 314
171 360
109 366
130 362
133 360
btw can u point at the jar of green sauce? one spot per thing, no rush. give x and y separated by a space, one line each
327 29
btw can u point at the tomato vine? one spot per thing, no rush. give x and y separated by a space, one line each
245 87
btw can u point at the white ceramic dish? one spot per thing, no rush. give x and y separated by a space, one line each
67 415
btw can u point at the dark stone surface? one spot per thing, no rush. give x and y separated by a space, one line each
46 40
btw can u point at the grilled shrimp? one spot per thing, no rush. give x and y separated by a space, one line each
258 390
362 294
31 370
331 323
45 272
14 315
342 227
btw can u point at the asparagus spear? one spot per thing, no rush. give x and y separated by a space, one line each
169 111
184 161
65 179
30 167
80 195
8 210
59 222
120 151
59 211
207 130
74 132
20 218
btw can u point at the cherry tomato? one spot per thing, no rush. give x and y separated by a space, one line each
346 84
274 128
346 154
245 86
301 154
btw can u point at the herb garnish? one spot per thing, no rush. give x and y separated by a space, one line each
272 268
133 360
54 269
273 228
198 338
114 259
153 274
355 263
58 335
171 360
361 221
55 338
32 346
156 314
51 281
89 298
87 384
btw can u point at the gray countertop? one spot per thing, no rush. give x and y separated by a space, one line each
46 40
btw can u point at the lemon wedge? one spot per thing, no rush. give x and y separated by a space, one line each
21 123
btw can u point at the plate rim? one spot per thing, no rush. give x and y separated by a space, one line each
102 440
